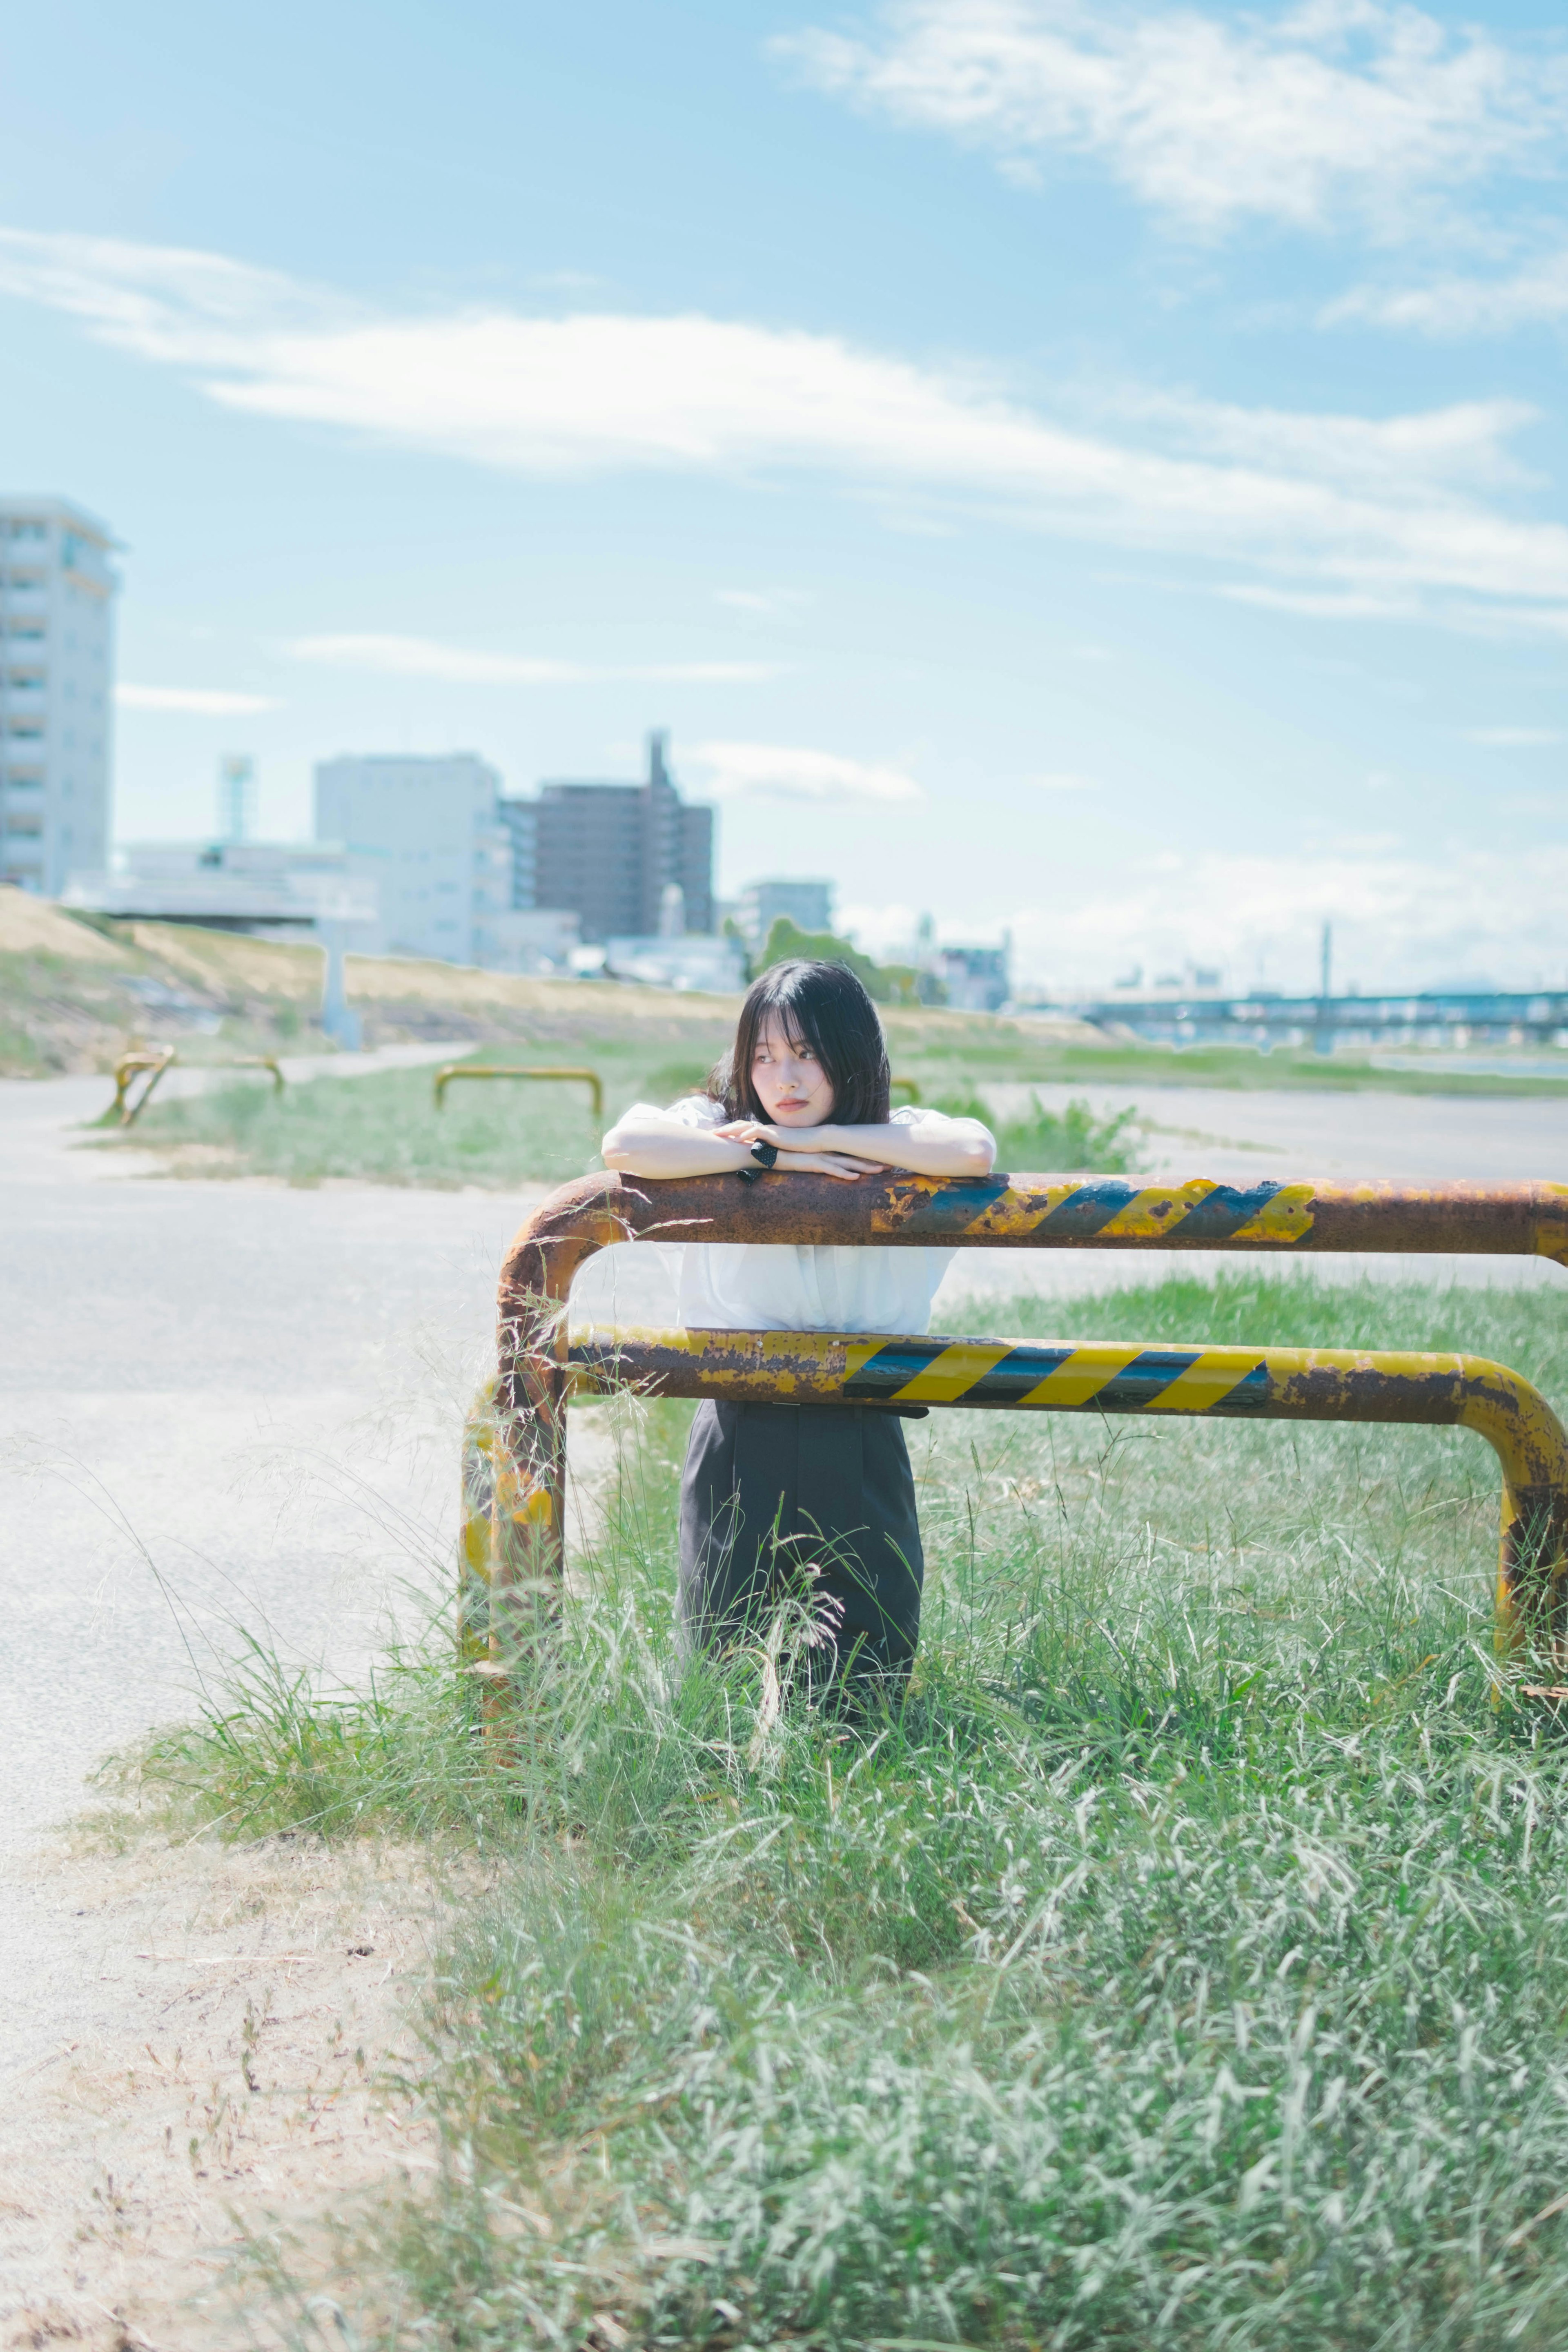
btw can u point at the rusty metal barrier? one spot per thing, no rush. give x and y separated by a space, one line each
451 1070
514 1473
128 1067
153 1061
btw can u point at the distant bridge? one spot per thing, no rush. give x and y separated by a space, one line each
1450 1017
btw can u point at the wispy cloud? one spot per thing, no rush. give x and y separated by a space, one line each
1517 739
200 701
1451 306
1333 108
766 603
398 656
1408 458
1325 604
1062 783
789 772
1399 513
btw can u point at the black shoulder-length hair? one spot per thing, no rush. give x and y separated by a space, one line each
822 1005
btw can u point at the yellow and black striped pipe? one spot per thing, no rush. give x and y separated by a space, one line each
810 1367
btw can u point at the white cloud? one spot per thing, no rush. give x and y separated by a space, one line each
886 932
397 656
785 772
1534 296
1386 510
200 701
1399 921
1517 739
1332 107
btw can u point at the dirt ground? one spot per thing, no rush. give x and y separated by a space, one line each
250 2016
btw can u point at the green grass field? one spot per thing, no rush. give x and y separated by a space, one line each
1242 1068
385 1128
1186 1965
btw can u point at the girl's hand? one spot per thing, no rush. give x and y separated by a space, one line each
757 1130
824 1163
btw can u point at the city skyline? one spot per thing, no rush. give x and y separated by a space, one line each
1101 477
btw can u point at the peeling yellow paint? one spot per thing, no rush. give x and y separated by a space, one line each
1287 1218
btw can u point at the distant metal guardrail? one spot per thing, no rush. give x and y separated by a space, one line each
1435 1018
514 1460
152 1061
451 1070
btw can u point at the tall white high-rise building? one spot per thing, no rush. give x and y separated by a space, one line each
427 833
57 685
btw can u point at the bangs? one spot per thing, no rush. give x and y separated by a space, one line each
791 1020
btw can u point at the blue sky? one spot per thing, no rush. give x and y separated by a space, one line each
1096 471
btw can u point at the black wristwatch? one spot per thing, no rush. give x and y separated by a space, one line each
765 1154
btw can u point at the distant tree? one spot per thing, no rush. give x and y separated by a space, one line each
885 983
730 929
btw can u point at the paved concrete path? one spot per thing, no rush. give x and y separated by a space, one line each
227 1405
220 1404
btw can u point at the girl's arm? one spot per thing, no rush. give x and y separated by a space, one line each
944 1146
649 1142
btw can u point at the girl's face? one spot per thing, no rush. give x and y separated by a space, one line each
791 1083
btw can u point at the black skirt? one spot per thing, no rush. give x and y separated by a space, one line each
812 1500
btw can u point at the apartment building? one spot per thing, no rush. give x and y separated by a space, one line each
56 683
611 853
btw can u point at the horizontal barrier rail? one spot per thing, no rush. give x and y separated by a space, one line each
1001 1212
154 1061
451 1070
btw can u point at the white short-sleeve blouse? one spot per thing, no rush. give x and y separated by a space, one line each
793 1286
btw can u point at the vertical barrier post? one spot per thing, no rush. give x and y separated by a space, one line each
339 1019
528 1441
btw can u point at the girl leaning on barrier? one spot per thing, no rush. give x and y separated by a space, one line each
816 1499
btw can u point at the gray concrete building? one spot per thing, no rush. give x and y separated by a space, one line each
56 686
808 904
609 853
977 980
